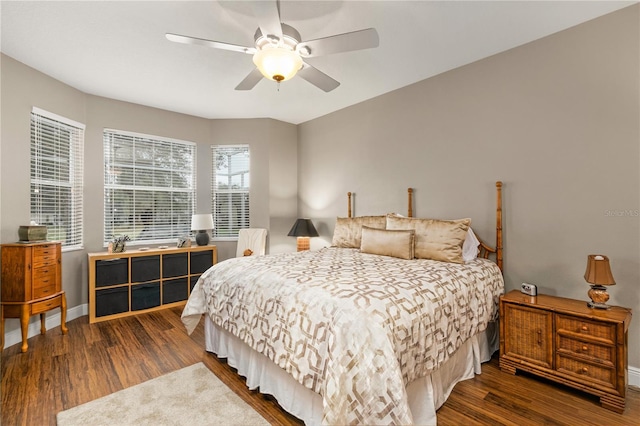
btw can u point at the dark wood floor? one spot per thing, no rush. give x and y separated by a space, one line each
59 372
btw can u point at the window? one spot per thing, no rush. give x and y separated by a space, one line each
149 187
56 176
230 189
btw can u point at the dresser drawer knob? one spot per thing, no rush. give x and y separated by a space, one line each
584 328
585 370
585 348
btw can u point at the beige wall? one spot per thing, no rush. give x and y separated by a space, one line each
273 145
557 120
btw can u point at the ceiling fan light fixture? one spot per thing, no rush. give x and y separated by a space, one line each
277 63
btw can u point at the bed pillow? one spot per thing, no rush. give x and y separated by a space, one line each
397 243
348 230
470 246
435 239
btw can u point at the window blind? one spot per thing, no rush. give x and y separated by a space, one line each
230 189
57 157
149 187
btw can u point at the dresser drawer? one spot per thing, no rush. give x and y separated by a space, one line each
44 275
40 292
604 331
603 353
44 258
588 372
39 307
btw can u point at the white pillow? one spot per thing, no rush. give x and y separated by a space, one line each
470 246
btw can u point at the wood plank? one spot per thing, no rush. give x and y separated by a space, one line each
93 360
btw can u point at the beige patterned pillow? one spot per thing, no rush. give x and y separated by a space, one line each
397 243
435 239
348 230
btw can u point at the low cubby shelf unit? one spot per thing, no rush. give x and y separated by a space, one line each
136 281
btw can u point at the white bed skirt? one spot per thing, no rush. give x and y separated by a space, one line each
425 395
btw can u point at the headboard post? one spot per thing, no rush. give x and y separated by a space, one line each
410 207
349 201
499 224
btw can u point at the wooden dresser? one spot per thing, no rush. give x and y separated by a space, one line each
31 284
565 341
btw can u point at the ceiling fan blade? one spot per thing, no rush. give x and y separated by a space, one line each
317 78
250 80
210 43
268 15
356 40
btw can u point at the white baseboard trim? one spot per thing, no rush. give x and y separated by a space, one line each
634 376
51 321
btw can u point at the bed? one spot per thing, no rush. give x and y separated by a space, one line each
376 329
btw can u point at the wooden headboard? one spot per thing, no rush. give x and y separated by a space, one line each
484 250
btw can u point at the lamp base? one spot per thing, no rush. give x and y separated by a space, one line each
202 238
303 243
599 296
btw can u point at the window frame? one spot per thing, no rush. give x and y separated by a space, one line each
135 214
245 192
73 153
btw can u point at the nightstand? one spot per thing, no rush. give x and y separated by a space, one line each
565 341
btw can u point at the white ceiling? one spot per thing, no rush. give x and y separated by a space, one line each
117 49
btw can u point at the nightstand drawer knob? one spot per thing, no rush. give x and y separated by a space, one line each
585 348
585 370
584 328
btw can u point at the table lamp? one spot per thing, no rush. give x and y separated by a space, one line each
598 274
202 223
303 229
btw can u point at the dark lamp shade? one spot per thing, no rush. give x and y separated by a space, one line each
598 270
303 228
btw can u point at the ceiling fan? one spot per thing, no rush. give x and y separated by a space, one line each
279 52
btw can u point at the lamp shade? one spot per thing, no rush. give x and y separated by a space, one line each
200 222
277 63
598 270
303 228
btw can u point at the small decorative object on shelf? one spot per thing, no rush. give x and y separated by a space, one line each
32 232
119 244
598 274
184 242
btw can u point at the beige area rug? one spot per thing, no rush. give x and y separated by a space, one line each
190 396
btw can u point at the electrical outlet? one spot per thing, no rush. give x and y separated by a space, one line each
529 289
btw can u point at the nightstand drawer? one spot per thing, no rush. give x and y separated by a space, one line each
599 330
39 307
588 372
603 353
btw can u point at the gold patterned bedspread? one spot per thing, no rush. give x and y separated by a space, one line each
355 328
